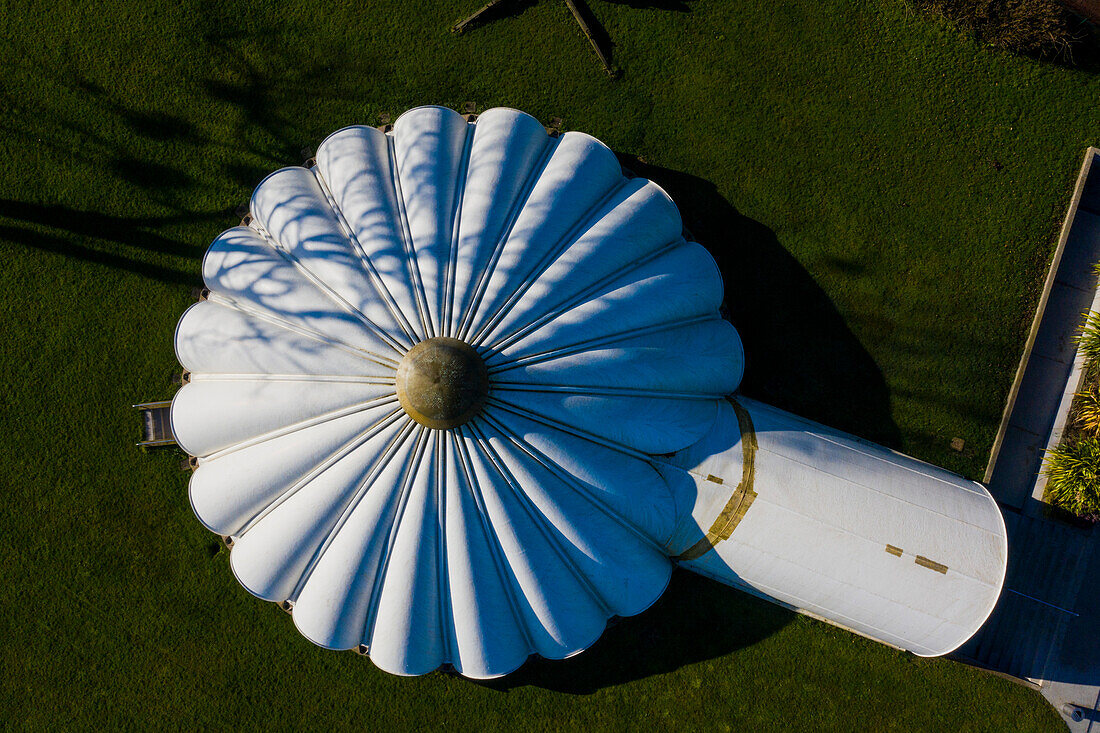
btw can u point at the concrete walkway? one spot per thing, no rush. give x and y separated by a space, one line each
1046 627
1073 672
1047 361
1046 566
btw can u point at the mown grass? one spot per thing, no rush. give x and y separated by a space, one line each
881 193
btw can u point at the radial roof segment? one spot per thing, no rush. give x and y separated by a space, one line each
427 383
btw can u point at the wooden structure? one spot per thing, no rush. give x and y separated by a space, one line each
574 8
156 424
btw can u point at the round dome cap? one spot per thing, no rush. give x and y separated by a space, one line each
442 383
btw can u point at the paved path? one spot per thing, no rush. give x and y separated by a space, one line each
1046 626
1046 566
1048 356
1073 672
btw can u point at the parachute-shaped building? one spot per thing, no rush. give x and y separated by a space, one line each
460 393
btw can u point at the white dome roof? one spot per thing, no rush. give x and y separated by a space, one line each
522 530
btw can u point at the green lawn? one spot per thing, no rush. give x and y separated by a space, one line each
883 197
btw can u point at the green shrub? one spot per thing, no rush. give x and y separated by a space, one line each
1041 28
1073 476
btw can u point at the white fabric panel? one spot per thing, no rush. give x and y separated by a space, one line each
558 610
832 575
229 490
429 146
216 339
879 472
680 285
700 358
644 222
242 267
626 486
626 571
859 464
211 414
333 606
355 164
408 630
505 153
571 194
828 504
646 423
487 640
293 208
272 554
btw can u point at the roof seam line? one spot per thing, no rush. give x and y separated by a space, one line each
500 561
412 264
575 232
301 425
540 520
323 288
370 618
556 469
456 223
550 144
364 260
317 470
596 342
586 295
376 467
267 317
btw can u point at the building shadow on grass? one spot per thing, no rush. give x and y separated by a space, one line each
800 354
696 619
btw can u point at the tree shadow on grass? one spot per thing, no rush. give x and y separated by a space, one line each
161 161
76 126
64 245
265 89
138 232
696 619
81 123
124 243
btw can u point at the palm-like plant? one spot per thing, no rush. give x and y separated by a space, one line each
1089 337
1087 406
1073 468
1073 476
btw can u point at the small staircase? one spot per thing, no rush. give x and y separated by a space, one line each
1045 563
156 424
